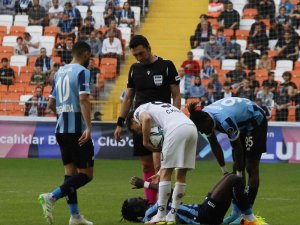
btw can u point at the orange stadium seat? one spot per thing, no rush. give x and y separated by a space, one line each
5 55
242 34
11 96
216 63
108 61
17 88
101 81
31 61
15 69
249 13
292 115
267 23
47 90
56 59
50 31
3 88
214 23
96 61
30 89
17 30
297 65
3 31
228 33
6 49
108 71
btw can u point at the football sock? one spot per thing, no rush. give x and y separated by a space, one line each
252 192
56 194
73 183
235 210
178 193
240 200
150 194
163 196
72 200
248 215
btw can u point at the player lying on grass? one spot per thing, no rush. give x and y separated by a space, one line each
246 125
211 211
178 150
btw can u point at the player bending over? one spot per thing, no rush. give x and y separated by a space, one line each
178 151
246 125
211 211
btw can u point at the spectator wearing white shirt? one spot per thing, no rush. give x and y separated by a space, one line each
55 13
112 48
32 44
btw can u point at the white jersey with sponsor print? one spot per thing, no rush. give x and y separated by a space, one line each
164 115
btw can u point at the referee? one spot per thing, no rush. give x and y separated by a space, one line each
150 79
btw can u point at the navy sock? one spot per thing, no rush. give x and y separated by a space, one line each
72 200
73 183
239 195
252 192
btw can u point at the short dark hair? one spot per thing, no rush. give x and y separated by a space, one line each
197 115
80 47
251 73
4 59
128 120
19 38
132 211
137 40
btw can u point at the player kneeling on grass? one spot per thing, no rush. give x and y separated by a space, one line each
178 151
211 211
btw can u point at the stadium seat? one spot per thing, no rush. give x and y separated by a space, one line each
108 61
30 89
292 115
31 61
98 15
3 31
47 90
242 34
214 23
18 60
229 64
245 24
267 23
108 71
21 20
17 31
297 65
216 63
126 34
9 41
249 13
101 81
6 49
197 53
15 96
47 42
284 65
3 88
272 44
56 59
278 75
35 31
51 31
6 20
15 69
243 44
23 78
5 55
137 14
228 33
17 88
83 9
24 98
99 3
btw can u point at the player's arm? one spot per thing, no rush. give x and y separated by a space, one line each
85 106
146 121
176 95
125 107
140 183
217 151
51 105
237 148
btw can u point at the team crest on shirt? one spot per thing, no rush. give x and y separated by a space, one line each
231 131
158 80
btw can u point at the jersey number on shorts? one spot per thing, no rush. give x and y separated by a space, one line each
63 88
248 142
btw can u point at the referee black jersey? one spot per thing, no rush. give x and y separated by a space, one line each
152 81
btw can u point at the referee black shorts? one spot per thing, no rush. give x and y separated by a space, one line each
71 152
138 147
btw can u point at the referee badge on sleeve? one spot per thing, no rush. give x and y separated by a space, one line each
158 80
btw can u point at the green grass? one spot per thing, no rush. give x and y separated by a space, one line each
22 180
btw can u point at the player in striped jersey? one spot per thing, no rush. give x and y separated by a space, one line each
211 211
69 98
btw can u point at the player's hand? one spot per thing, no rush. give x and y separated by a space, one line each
84 137
117 133
137 182
151 148
154 179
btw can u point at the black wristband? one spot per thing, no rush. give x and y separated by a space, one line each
120 121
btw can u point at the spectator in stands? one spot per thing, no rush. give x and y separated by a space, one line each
207 70
233 49
271 83
214 80
251 4
60 46
112 47
258 21
213 49
32 44
95 44
266 96
44 62
220 36
282 103
287 86
249 58
66 27
97 116
297 106
66 54
227 90
253 83
32 108
182 89
54 69
114 5
276 29
267 111
237 75
20 48
113 28
295 16
86 29
55 13
108 16
89 14
266 9
144 5
7 74
40 105
38 77
282 18
197 90
211 95
191 67
230 18
126 16
259 38
22 6
36 14
7 7
95 75
244 91
202 33
287 5
73 14
265 63
215 8
287 48
88 3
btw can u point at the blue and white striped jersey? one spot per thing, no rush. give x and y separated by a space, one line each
69 82
233 115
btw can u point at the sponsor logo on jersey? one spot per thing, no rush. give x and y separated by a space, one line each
158 80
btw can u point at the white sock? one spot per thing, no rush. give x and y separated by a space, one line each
164 192
249 217
177 196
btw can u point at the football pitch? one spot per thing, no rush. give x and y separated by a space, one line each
22 180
